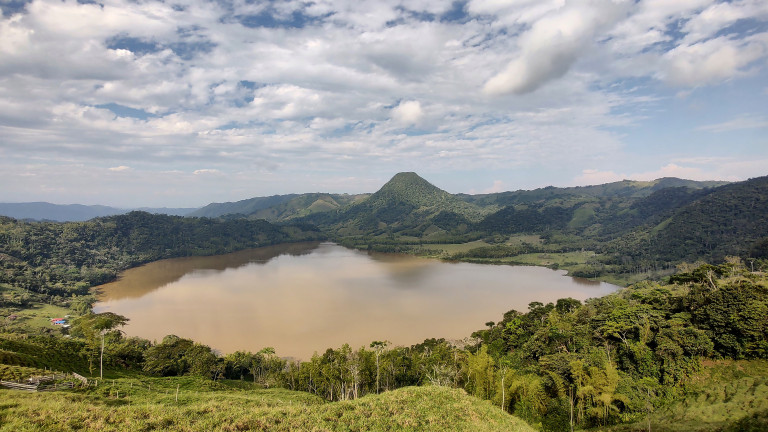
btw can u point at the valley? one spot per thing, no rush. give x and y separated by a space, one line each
692 256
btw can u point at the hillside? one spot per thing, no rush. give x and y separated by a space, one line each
620 189
730 220
59 260
278 208
242 207
149 404
406 202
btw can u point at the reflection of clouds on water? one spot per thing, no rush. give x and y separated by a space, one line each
305 303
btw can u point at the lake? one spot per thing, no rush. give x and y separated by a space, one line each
305 298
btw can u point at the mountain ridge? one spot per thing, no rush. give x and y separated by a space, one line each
41 211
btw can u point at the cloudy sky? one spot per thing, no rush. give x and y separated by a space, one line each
185 102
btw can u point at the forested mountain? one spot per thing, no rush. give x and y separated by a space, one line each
620 189
278 208
74 212
407 204
61 259
243 207
731 220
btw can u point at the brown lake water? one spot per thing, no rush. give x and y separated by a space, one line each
305 298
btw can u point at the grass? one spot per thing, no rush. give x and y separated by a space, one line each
725 395
19 373
36 317
569 261
452 248
561 259
137 405
583 216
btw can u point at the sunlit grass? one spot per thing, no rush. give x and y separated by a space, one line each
38 316
152 405
726 395
452 248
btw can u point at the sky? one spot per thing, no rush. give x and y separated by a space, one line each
181 103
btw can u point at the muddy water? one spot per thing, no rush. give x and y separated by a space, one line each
303 298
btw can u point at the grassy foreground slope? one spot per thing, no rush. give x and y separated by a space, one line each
205 406
726 395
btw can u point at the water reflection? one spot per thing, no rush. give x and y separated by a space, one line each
305 300
136 282
585 281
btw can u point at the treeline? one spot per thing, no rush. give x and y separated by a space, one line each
609 360
57 260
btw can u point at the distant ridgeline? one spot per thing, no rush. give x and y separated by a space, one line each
43 211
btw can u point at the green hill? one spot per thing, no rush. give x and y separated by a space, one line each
150 404
407 201
729 221
278 208
620 189
242 207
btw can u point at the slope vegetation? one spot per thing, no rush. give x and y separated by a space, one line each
279 208
131 405
728 221
407 201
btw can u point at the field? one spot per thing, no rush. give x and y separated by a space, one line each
131 404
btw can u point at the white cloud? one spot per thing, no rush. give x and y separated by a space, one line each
594 177
206 171
708 169
718 16
408 113
498 186
741 123
357 85
553 44
711 61
120 168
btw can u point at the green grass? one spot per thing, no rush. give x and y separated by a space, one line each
519 239
37 317
583 216
561 259
452 248
19 373
725 396
151 405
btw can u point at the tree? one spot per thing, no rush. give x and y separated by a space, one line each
481 373
378 348
94 325
168 357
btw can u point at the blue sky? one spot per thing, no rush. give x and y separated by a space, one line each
181 103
